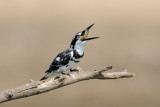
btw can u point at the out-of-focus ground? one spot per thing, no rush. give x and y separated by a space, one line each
33 32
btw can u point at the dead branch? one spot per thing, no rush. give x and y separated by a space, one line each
39 87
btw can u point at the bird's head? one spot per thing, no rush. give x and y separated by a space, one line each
81 38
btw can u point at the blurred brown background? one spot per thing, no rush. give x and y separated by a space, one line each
33 32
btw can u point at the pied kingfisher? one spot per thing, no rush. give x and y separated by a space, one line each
66 60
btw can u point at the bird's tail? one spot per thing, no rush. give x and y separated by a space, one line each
43 78
49 74
46 76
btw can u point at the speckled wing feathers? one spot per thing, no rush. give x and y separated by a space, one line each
61 59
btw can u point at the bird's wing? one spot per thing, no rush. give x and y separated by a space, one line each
60 60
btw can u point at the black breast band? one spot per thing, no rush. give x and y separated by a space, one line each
76 55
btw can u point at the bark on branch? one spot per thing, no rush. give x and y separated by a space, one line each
39 87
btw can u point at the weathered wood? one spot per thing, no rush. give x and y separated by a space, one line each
38 87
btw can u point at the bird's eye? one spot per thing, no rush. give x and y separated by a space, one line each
79 33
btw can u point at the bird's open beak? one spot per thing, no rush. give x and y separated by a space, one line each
85 32
89 27
90 38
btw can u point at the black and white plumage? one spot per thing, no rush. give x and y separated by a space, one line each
69 58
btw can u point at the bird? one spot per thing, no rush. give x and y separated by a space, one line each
67 59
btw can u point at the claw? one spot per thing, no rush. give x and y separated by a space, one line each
74 70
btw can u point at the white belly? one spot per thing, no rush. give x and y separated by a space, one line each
69 66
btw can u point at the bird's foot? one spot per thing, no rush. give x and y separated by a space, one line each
74 70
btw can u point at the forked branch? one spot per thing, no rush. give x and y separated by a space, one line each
38 87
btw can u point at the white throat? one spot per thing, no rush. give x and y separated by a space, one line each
79 46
